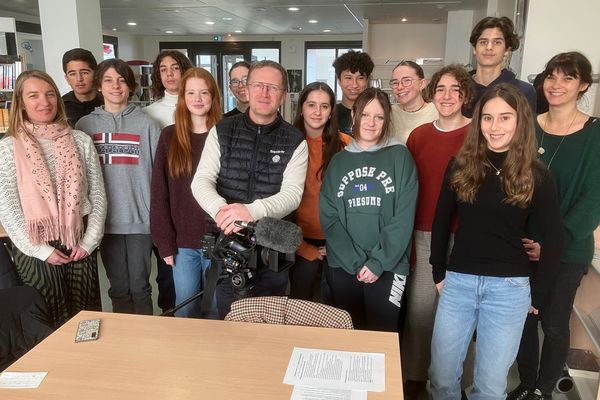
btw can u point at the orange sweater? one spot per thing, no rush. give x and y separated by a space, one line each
307 215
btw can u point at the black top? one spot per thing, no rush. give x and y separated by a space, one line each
76 109
488 239
344 116
231 113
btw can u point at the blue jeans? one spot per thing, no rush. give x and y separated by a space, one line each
497 308
188 274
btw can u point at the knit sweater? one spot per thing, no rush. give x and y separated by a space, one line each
126 143
163 110
432 149
176 219
307 214
488 239
367 208
575 163
404 122
93 202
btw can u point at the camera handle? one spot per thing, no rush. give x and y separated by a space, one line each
212 277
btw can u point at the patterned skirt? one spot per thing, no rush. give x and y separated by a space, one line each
67 289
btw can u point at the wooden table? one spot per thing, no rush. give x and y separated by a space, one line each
149 357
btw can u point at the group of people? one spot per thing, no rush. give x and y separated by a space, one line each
456 194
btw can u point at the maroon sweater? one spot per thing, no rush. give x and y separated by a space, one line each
176 219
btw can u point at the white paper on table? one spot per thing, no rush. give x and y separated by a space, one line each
21 380
311 393
333 369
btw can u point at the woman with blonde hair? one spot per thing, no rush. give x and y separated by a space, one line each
496 186
52 199
177 221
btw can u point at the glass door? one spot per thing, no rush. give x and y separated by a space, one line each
227 60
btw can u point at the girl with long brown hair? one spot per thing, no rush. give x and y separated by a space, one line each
177 222
496 186
316 118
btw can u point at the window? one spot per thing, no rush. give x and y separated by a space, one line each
319 58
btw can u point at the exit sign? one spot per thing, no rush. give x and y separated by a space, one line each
217 38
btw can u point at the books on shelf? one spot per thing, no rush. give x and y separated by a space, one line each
10 68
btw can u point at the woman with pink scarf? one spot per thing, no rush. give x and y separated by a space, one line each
52 199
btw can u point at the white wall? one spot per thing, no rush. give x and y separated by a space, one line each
553 27
394 42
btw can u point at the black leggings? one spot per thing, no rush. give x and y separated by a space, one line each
373 306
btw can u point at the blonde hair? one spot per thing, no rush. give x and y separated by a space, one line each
18 115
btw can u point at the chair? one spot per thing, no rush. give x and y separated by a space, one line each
285 311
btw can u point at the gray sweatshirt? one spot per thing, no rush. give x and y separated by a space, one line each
126 143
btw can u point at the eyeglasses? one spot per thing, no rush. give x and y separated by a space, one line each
238 82
260 86
405 82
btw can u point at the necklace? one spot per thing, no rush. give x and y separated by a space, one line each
541 149
498 171
418 109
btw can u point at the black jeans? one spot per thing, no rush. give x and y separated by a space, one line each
555 324
304 274
164 280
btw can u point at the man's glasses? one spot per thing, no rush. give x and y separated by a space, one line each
259 86
405 82
238 82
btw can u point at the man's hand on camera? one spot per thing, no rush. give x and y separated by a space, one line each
230 213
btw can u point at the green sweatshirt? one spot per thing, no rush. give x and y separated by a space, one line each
575 163
367 208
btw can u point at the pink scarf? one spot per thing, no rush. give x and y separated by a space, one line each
52 210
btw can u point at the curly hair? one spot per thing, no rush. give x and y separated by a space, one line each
518 170
465 82
179 158
505 24
353 61
158 89
331 137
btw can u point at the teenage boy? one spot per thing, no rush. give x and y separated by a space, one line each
79 66
238 78
493 39
352 70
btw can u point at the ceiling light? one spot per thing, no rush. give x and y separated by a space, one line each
168 31
404 19
209 23
227 18
312 21
131 24
293 9
238 31
440 6
114 29
326 30
229 34
296 28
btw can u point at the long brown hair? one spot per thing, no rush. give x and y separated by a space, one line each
179 159
471 165
331 137
18 116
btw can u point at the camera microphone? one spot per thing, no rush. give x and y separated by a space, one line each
282 236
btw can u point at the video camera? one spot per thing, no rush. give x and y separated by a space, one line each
240 253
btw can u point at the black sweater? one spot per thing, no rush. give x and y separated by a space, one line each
488 239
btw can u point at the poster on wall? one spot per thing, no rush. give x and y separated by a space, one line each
108 50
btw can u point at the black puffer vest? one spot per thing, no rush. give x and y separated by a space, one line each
253 157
